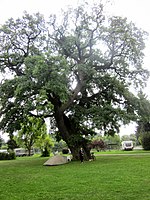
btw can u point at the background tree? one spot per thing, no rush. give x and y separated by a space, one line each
143 124
131 137
112 142
125 138
59 146
12 144
45 143
76 70
31 129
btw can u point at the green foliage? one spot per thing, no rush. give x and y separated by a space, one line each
143 124
144 108
31 129
145 139
44 143
45 152
4 156
77 71
129 137
58 146
7 156
112 139
4 146
12 144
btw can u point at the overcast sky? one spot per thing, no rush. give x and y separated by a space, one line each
135 10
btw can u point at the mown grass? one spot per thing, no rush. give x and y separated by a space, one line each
122 152
107 178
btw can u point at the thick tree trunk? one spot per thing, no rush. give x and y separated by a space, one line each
75 150
69 133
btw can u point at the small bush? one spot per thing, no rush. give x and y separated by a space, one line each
3 156
45 152
65 151
146 141
12 155
98 145
7 156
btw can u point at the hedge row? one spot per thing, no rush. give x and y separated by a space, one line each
7 156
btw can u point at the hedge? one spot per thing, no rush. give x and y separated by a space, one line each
7 156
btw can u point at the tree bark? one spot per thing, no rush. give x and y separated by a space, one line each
70 134
75 147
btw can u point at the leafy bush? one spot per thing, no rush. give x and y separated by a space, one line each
12 155
58 146
98 145
65 151
45 152
146 141
3 156
7 156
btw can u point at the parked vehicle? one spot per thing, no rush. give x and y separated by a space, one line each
22 152
127 145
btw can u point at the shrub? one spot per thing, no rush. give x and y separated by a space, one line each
98 145
145 140
3 156
7 156
45 152
12 155
65 151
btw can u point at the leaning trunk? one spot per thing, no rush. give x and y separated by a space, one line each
69 134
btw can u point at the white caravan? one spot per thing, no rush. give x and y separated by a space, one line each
127 145
22 152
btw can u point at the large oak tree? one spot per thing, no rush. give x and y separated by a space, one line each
75 69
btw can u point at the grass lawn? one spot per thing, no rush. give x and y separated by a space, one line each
121 152
107 178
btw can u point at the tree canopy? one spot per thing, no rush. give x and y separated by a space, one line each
30 131
76 69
